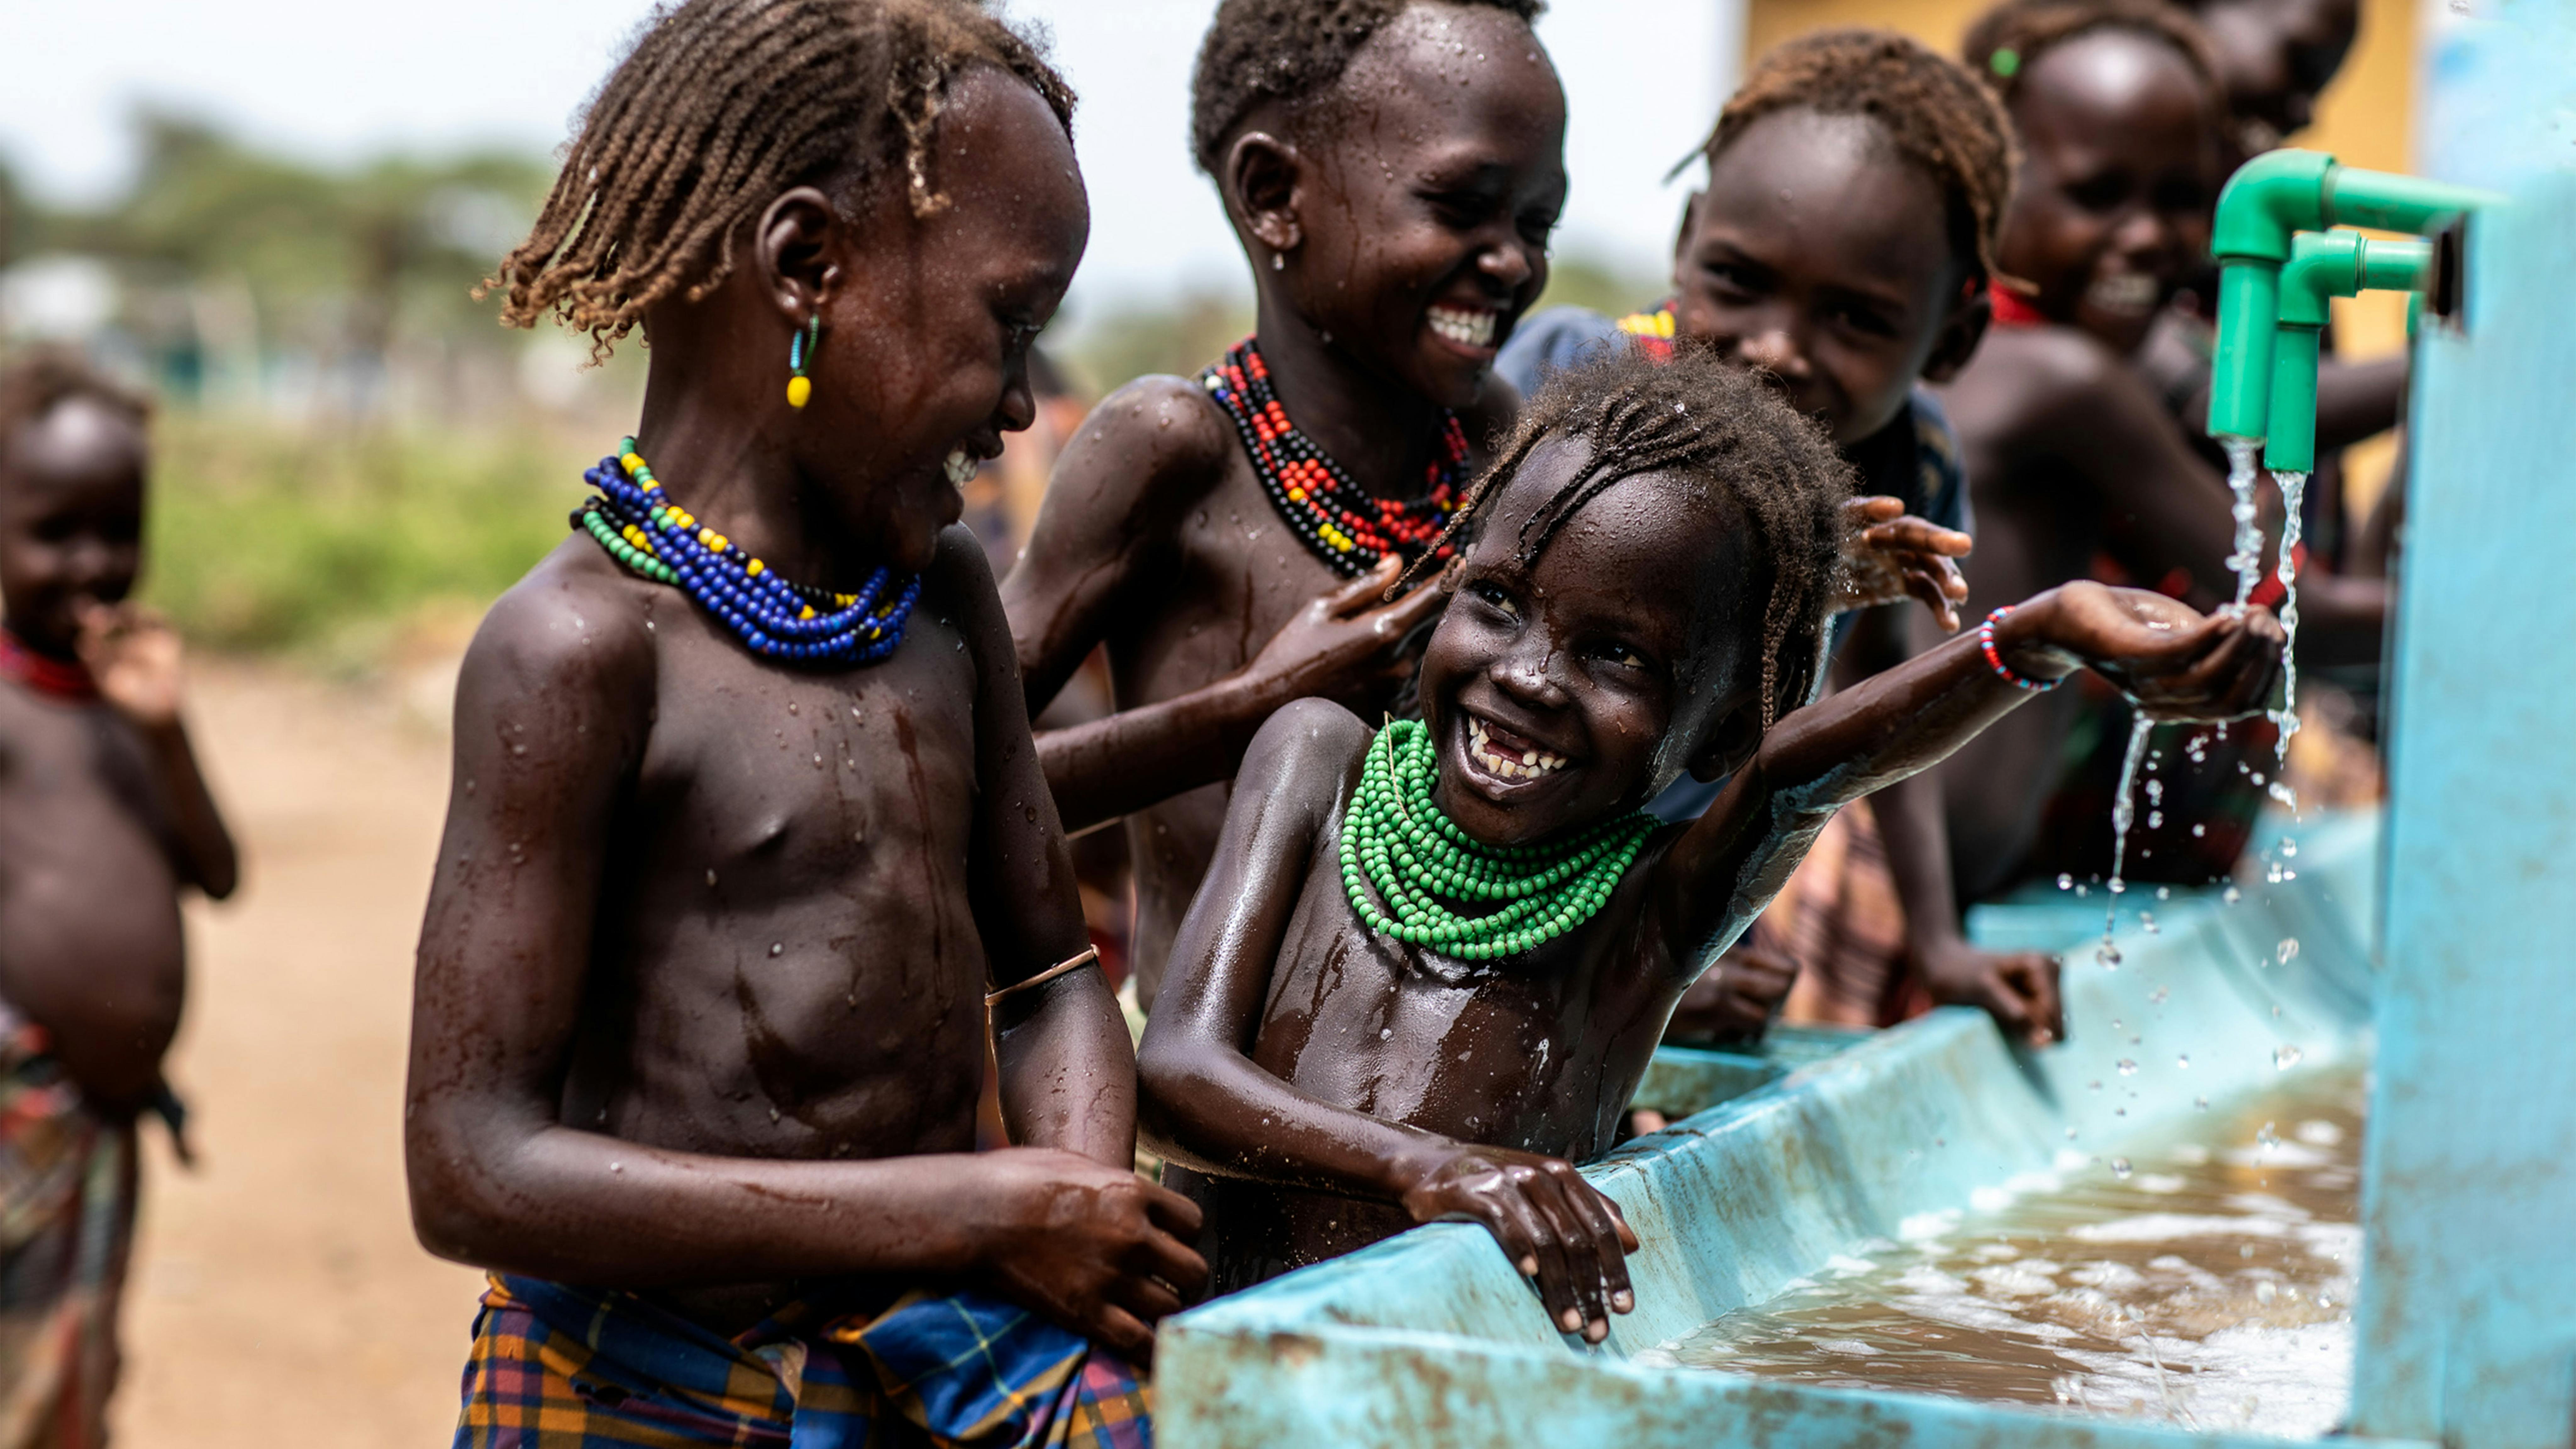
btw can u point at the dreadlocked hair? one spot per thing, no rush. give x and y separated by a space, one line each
1287 52
1930 108
45 379
719 107
2006 41
1730 436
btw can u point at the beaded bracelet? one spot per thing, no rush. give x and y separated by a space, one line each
1994 657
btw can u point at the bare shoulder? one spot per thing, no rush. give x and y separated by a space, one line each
1308 751
1159 444
2033 380
577 629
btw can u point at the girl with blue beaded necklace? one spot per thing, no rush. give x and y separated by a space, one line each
1432 960
747 847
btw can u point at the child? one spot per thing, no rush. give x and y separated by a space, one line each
2274 59
104 819
1647 592
1394 199
2070 453
1844 246
730 862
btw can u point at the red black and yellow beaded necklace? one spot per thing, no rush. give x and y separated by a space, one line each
1342 523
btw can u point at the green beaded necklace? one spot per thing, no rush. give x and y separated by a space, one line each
1396 839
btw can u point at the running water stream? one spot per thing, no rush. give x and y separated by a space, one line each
2124 812
2247 560
2294 489
2208 1286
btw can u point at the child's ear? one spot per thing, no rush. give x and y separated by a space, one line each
797 247
1733 735
1262 175
1961 331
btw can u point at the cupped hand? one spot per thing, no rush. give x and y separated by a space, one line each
133 657
2017 988
1890 555
2177 663
1734 1000
1555 1227
1095 1248
1347 645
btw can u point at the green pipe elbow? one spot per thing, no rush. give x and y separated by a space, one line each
2270 199
2323 265
2396 266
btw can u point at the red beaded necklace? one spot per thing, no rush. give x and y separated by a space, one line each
64 679
1342 523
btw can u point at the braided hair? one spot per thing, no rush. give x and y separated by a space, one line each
1286 52
719 107
1930 108
2006 41
1729 436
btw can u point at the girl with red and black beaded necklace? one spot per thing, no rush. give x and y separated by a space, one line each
1394 207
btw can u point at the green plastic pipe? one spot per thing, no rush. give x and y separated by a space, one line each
2322 267
2267 202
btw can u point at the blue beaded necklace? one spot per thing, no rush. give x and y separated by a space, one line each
643 529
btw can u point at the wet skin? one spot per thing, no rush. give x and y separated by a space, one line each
104 816
700 998
1319 1087
1820 255
1428 179
2069 450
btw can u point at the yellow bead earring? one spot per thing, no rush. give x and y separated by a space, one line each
800 356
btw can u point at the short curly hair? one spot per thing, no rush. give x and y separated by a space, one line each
1721 428
720 106
2006 41
1930 108
35 384
1287 52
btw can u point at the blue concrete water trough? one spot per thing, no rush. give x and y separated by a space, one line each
1785 1160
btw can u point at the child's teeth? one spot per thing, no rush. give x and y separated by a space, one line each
962 467
1470 329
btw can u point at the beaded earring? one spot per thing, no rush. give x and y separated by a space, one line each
800 356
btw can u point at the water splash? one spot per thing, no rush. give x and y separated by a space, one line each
2124 811
2294 488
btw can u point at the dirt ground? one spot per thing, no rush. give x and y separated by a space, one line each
279 1297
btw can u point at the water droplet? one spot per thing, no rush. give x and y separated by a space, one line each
2120 1168
2082 891
2157 996
2284 1058
2070 1134
2107 956
1385 1033
711 877
2093 1086
2200 1104
777 948
2065 882
2289 848
2128 1068
2288 949
2198 831
2183 1061
2231 895
2147 922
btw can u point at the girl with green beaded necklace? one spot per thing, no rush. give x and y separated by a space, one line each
1432 960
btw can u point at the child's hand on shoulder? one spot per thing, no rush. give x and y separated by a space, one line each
1348 645
1096 1248
2176 662
1889 556
1555 1227
133 656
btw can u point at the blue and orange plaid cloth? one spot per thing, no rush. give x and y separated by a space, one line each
577 1368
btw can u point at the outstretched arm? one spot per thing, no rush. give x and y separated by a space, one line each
2178 664
1144 461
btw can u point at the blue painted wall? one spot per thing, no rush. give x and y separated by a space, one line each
2468 1302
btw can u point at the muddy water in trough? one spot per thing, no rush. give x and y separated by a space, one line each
2203 1279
